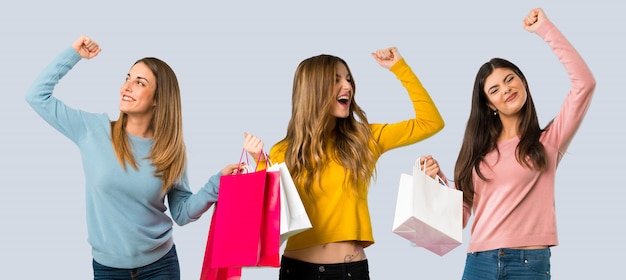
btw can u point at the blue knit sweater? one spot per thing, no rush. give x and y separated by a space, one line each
126 219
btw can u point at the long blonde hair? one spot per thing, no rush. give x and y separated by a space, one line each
308 135
167 154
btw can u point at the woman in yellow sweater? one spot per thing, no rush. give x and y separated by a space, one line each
331 151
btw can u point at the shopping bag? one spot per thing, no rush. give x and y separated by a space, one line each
269 245
246 229
293 216
210 273
428 213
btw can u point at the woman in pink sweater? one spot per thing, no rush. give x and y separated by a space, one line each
506 166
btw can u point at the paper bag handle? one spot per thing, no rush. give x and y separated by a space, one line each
243 151
422 167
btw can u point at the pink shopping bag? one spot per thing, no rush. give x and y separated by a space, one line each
245 230
269 244
210 273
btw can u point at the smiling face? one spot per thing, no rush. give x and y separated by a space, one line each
137 92
343 92
505 92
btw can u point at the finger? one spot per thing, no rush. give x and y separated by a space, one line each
381 54
90 44
434 170
248 140
432 165
228 169
393 51
375 56
384 54
253 143
534 15
238 168
243 168
423 160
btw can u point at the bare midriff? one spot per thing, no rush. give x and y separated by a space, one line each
336 252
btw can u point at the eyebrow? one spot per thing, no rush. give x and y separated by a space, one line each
139 77
505 78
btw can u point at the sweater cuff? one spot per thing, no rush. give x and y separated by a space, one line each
544 29
400 64
72 55
212 187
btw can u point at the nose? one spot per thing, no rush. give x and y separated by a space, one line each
126 86
345 84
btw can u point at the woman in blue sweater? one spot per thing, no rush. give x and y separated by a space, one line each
131 165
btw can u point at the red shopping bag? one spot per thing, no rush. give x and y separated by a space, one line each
245 230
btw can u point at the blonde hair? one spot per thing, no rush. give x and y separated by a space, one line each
308 137
167 154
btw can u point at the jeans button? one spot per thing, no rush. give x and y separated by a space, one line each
321 268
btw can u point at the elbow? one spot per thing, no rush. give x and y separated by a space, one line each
182 218
36 99
588 85
440 125
181 221
591 85
30 98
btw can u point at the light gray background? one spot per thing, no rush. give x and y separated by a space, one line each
235 62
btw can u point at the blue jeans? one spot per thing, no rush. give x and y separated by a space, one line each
508 264
292 269
166 268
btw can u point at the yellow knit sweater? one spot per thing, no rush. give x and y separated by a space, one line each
336 213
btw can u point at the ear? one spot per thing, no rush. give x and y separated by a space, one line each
491 106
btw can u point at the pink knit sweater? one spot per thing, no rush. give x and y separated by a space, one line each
516 207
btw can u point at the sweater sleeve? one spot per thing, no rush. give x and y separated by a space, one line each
68 121
426 123
187 207
573 110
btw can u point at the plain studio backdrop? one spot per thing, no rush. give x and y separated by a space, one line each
235 62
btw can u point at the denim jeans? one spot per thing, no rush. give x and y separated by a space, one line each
166 268
291 269
508 264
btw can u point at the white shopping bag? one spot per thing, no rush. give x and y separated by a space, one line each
293 216
428 213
